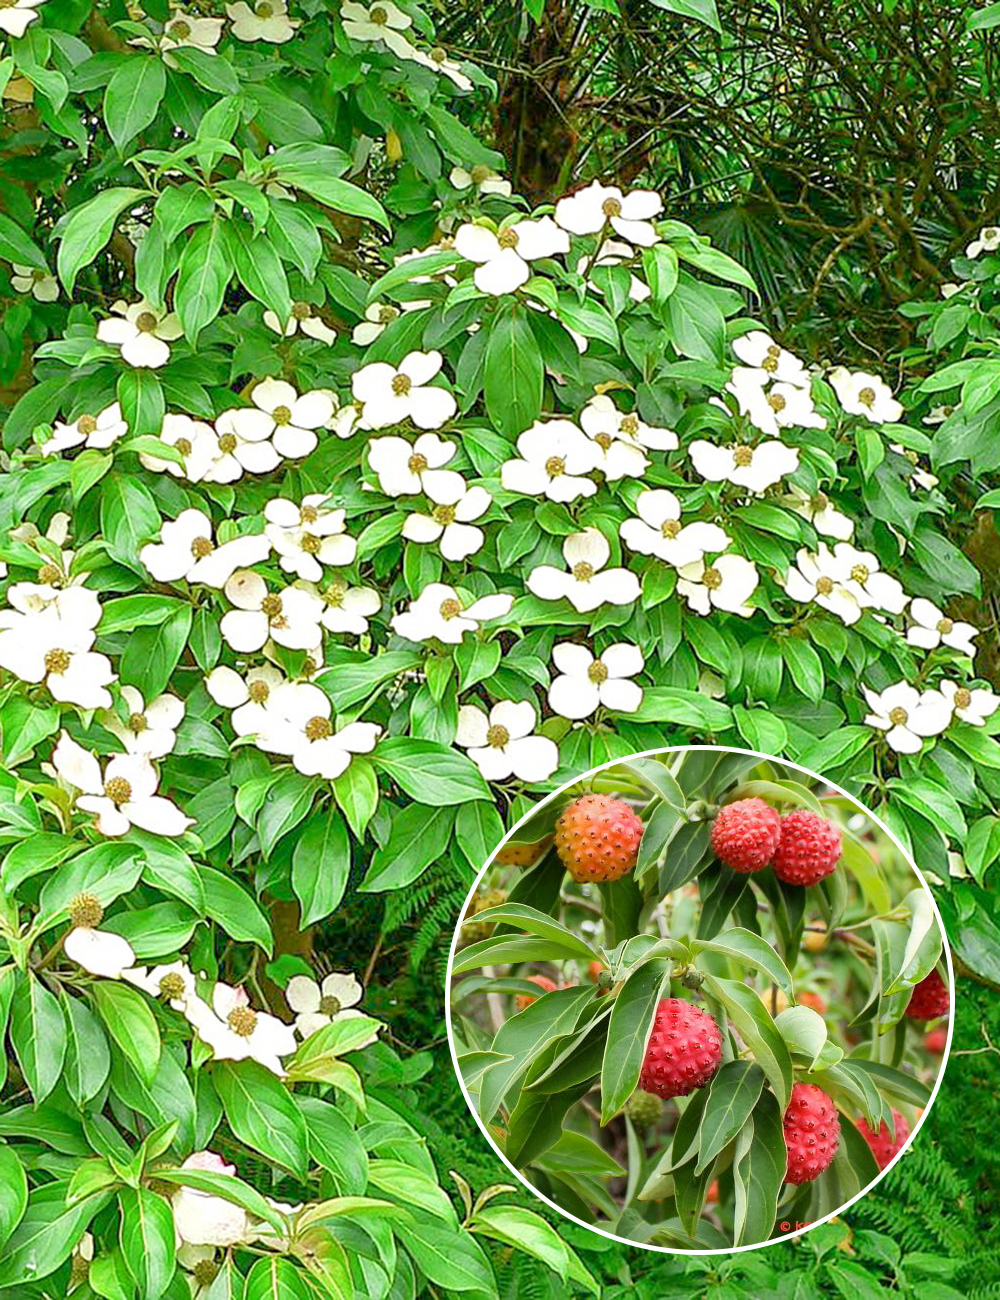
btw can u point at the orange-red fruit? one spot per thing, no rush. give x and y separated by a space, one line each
929 999
543 982
935 1040
745 834
809 848
808 998
523 855
684 1049
597 837
884 1146
812 1132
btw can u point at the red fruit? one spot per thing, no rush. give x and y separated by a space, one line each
543 982
684 1049
807 998
745 834
809 848
936 1039
812 1132
929 999
523 855
883 1145
597 837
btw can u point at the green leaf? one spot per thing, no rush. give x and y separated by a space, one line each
315 180
732 1095
227 1186
628 1033
129 518
512 948
181 206
749 950
133 95
836 749
357 794
202 278
411 1186
286 805
233 908
46 1234
804 666
88 228
17 246
514 374
142 401
37 1035
259 269
418 837
660 265
524 1231
449 1258
317 1056
983 20
88 1058
321 864
277 1278
262 1113
13 1192
703 256
152 653
131 1024
759 1164
540 924
430 773
147 1239
748 1013
704 11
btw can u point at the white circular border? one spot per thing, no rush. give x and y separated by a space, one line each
672 1250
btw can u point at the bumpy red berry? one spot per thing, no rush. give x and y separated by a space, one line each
809 848
812 1132
597 837
523 855
745 834
543 982
884 1146
684 1049
929 999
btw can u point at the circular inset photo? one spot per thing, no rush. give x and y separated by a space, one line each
694 998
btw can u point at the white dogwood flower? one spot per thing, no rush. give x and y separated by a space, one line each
246 695
587 585
380 21
184 29
658 531
819 578
504 257
450 520
772 407
296 418
267 20
554 457
235 1032
440 612
150 728
174 981
124 796
404 468
592 208
820 512
301 318
932 628
938 414
919 478
318 1005
973 705
244 444
502 745
907 715
379 316
860 574
613 252
347 609
100 952
438 61
17 16
483 178
42 285
727 583
201 1219
141 332
863 394
53 646
101 430
289 617
760 352
194 440
600 417
299 726
308 536
186 550
987 241
753 468
584 683
389 394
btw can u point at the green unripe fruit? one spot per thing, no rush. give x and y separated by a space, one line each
644 1110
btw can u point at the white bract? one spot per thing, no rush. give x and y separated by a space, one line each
860 574
819 578
931 628
299 726
267 20
243 444
658 531
247 696
235 1032
404 468
309 535
438 61
289 617
987 241
101 430
141 331
186 550
42 285
98 951
727 583
194 440
16 17
295 418
502 745
301 318
173 981
186 29
504 257
587 585
760 352
440 612
630 215
554 457
753 468
863 394
585 683
379 316
381 21
347 609
124 796
150 728
601 418
450 520
201 1219
823 516
389 394
483 178
318 1005
53 646
772 407
973 705
907 715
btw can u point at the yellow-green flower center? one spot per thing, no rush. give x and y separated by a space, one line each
611 208
743 455
311 544
281 415
118 790
242 1021
554 466
57 661
172 985
597 672
867 397
898 716
450 608
86 425
86 910
258 691
963 698
712 578
824 585
401 385
137 723
318 728
497 737
202 546
146 322
329 1005
443 515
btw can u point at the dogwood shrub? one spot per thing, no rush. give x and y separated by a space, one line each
320 439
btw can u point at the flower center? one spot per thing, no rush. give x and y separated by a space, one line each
819 501
308 514
378 16
898 716
57 661
227 443
867 397
146 322
443 515
310 543
963 698
318 728
207 1270
309 666
184 446
281 415
172 986
401 385
438 54
417 463
49 575
329 1005
202 546
603 440
670 527
507 238
270 606
611 208
629 425
743 455
554 466
242 1021
712 578
582 571
497 737
301 310
824 585
450 608
860 573
258 691
386 315
86 424
776 402
770 363
945 625
334 595
118 790
181 31
479 174
86 910
597 672
137 722
264 10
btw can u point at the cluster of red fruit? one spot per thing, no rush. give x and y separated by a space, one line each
801 847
